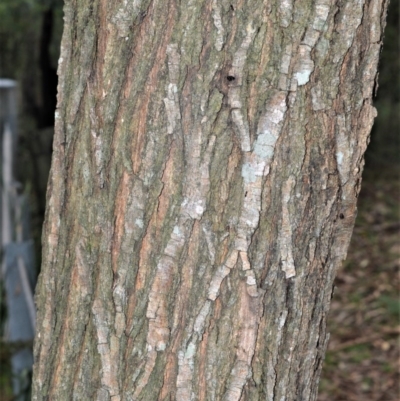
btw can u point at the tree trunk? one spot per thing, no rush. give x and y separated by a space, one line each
207 162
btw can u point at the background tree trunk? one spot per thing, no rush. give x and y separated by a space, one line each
207 161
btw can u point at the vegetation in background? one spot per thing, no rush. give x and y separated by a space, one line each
384 150
362 362
30 34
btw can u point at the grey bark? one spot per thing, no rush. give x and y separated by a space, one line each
207 162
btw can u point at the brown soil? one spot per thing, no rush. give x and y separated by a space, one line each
362 362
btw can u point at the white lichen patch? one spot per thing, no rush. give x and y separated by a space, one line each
285 11
97 141
282 319
303 77
284 82
376 29
216 14
186 356
285 237
184 379
317 98
241 126
264 145
195 191
101 322
107 347
339 158
219 275
149 366
250 216
119 297
251 283
251 279
249 318
171 102
125 15
275 111
343 150
139 223
172 108
240 55
210 244
313 34
120 324
245 260
198 183
269 128
239 375
311 37
271 365
232 259
256 165
304 65
199 323
321 14
159 330
286 58
194 208
350 15
250 171
174 245
190 351
134 222
242 129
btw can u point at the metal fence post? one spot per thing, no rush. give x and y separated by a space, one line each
17 250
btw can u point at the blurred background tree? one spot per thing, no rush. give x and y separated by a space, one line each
383 154
363 356
30 35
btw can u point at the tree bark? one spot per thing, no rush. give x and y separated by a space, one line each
206 167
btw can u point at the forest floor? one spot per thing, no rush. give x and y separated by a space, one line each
363 360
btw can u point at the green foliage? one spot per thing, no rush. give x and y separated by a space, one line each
359 353
391 304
